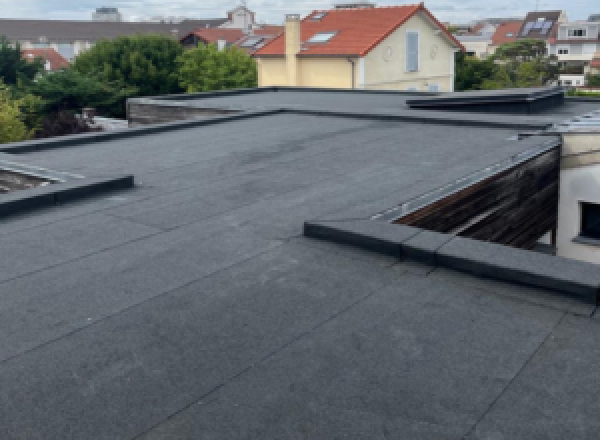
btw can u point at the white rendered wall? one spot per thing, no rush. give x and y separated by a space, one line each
576 185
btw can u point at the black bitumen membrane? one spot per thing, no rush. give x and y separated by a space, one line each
191 306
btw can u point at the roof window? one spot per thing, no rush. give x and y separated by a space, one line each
322 37
251 42
319 16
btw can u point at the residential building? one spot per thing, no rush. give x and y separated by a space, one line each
575 45
240 18
107 14
250 41
398 47
53 61
594 17
254 276
477 45
70 38
506 32
541 25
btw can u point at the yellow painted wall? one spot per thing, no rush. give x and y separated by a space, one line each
384 71
325 72
272 72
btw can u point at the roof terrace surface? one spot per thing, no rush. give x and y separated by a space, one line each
192 307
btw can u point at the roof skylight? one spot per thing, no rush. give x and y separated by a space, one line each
322 37
319 16
251 42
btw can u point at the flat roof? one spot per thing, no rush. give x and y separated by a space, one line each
366 101
191 306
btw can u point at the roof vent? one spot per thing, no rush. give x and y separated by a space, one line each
357 5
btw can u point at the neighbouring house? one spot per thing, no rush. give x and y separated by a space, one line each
250 41
575 45
506 32
477 45
541 25
53 61
70 38
397 47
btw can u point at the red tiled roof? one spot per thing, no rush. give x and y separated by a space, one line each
358 30
212 35
596 61
57 61
508 27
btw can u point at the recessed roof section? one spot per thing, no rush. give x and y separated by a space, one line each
511 101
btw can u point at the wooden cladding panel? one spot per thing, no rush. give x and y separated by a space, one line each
514 208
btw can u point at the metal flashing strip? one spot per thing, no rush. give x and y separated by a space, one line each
438 194
42 173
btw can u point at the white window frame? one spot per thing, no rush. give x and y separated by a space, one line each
412 31
571 32
435 87
562 48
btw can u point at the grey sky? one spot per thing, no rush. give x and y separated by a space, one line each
272 11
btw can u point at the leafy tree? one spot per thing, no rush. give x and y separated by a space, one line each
145 65
206 68
471 72
70 90
593 80
521 50
12 119
13 68
500 79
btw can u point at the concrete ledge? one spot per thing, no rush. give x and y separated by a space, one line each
379 237
575 278
90 138
18 202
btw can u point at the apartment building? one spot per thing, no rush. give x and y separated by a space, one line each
575 45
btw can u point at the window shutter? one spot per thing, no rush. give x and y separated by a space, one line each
412 51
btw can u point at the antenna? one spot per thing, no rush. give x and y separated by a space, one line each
537 5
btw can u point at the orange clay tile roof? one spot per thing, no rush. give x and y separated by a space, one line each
508 27
358 30
57 61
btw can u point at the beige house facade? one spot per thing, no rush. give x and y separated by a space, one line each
416 55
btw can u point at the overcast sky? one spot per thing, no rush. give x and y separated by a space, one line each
273 11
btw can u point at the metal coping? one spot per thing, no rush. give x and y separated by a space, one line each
42 173
396 213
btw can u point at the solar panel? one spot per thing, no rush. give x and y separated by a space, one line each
547 26
527 28
538 24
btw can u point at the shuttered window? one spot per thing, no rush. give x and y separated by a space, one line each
412 51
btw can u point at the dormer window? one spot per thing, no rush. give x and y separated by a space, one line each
322 37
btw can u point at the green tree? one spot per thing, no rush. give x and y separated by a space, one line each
521 50
13 68
145 65
13 127
593 80
471 72
206 68
71 90
500 79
